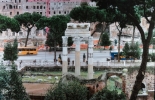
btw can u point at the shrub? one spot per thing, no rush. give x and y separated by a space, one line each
70 91
106 94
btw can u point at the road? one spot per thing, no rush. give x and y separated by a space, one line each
98 56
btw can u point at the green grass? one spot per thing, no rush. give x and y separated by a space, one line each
43 77
111 84
33 76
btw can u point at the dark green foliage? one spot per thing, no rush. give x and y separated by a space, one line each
153 57
70 41
28 20
106 94
8 23
11 51
105 40
17 91
57 26
4 82
84 13
133 10
153 40
84 4
11 87
70 91
133 50
4 78
126 50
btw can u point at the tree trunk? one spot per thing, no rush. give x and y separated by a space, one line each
106 25
55 50
141 72
133 36
28 32
119 40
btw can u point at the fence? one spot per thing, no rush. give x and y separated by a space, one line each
49 63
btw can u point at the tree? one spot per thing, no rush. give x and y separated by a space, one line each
50 42
106 94
28 21
11 51
126 50
135 50
17 90
153 40
11 87
105 41
71 91
8 23
84 13
4 82
106 17
132 50
57 26
134 9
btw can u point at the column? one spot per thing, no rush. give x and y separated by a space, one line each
77 55
90 57
64 55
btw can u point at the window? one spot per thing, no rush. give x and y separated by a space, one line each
26 7
40 13
10 13
37 7
59 12
34 7
19 7
41 7
54 12
17 13
10 6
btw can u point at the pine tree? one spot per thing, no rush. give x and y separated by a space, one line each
126 50
17 91
105 41
11 51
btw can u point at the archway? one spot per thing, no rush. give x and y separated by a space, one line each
119 75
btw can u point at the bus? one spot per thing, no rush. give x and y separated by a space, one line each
27 51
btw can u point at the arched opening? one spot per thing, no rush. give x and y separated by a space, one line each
114 83
119 80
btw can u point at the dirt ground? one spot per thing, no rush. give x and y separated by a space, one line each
36 88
